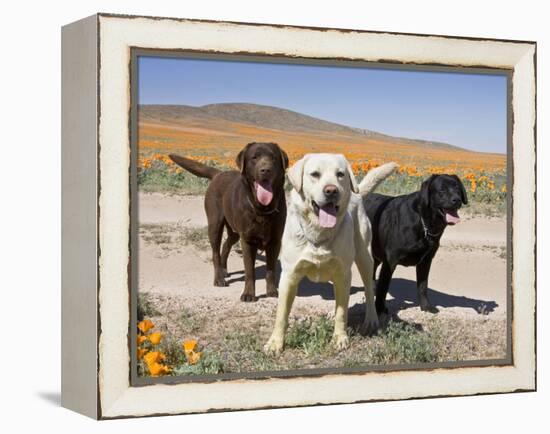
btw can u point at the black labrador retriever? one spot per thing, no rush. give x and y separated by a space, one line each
250 205
407 229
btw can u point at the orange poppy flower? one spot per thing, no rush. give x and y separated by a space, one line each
153 357
155 338
145 325
156 369
189 345
193 357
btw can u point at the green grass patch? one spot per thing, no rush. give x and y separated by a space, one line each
397 343
160 177
243 351
210 364
308 345
402 343
239 351
312 336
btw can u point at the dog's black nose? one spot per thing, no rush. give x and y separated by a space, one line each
265 171
330 190
456 200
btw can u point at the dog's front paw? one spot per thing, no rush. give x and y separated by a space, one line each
369 327
341 341
428 307
381 308
220 281
274 346
272 292
248 297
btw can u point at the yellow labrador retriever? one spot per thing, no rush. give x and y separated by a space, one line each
327 229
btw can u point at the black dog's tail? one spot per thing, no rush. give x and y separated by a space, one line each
195 167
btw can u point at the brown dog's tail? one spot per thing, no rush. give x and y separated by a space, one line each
195 167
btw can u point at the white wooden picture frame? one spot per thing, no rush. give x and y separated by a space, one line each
96 84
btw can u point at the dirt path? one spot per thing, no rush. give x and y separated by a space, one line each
468 274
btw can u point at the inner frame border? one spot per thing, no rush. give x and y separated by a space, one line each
133 275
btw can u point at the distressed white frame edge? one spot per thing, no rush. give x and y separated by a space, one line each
116 36
79 376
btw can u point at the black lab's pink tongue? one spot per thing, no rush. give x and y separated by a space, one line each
264 193
452 217
327 216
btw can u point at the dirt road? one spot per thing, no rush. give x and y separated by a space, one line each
468 274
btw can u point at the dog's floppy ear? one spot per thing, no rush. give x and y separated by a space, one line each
284 158
282 154
425 191
240 160
353 181
462 190
296 174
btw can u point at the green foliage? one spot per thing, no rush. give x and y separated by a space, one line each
311 336
402 343
159 177
244 350
210 363
399 184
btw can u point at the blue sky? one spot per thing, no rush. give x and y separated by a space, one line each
467 110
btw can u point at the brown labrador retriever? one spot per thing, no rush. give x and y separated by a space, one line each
251 205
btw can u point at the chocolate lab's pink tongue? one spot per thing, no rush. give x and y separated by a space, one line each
264 193
327 216
452 217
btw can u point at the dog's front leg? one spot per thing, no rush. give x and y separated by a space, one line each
422 272
342 283
288 286
382 286
272 253
365 265
249 258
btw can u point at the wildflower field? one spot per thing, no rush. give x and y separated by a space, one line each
483 174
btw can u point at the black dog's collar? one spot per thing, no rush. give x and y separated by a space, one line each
427 232
271 211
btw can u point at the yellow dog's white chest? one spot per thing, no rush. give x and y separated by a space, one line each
319 267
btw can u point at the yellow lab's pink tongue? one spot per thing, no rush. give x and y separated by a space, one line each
264 193
452 217
327 216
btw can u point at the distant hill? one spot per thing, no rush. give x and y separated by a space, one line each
267 117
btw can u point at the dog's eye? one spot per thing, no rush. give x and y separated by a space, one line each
315 174
340 174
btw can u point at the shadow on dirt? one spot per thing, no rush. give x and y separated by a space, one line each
403 291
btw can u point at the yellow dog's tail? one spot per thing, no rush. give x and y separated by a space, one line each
376 176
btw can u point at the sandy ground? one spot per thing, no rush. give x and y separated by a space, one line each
468 275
